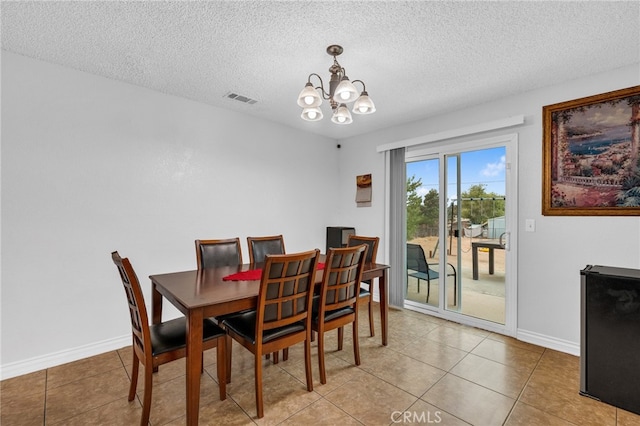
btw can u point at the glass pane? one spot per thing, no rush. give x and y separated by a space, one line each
423 213
475 191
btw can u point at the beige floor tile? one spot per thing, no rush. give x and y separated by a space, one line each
507 340
435 354
401 370
424 413
626 418
507 354
320 413
26 384
66 373
508 381
457 337
71 399
526 415
555 391
118 412
468 401
21 409
370 399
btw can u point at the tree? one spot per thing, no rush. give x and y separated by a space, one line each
414 202
431 208
478 205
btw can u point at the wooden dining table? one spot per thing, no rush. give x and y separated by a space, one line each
203 293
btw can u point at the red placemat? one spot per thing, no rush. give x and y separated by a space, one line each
251 275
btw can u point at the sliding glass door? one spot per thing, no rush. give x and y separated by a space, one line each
459 256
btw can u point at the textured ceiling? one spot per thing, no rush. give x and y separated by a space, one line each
418 59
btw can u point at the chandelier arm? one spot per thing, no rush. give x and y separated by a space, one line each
364 88
324 94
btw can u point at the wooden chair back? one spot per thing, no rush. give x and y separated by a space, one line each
371 242
286 290
342 275
215 253
137 308
259 247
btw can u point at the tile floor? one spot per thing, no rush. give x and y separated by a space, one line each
432 372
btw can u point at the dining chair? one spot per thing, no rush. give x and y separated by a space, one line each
259 247
337 304
283 314
366 294
216 253
157 344
418 267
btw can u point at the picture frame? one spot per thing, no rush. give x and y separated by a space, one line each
591 155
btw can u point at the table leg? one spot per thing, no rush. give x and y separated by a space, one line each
156 305
474 256
490 261
383 289
194 365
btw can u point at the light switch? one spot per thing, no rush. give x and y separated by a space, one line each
530 225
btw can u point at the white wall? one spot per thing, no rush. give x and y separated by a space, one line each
91 165
550 259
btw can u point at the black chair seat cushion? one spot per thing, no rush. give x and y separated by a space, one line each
171 335
331 315
364 292
245 325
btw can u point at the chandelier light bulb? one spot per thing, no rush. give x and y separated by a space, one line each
312 114
346 91
364 104
342 115
309 97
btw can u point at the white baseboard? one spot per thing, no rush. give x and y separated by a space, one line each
554 343
30 365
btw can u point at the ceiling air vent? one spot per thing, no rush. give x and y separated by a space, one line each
240 98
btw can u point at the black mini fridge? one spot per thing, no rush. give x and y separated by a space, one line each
610 336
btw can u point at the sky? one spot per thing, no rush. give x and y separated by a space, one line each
486 166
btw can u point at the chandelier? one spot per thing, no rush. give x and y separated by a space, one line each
341 92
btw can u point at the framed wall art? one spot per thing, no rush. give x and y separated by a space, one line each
591 155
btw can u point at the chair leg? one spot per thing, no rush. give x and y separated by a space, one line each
455 288
258 385
285 354
221 362
275 357
340 337
321 366
134 376
227 359
371 330
146 400
356 342
428 289
307 362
